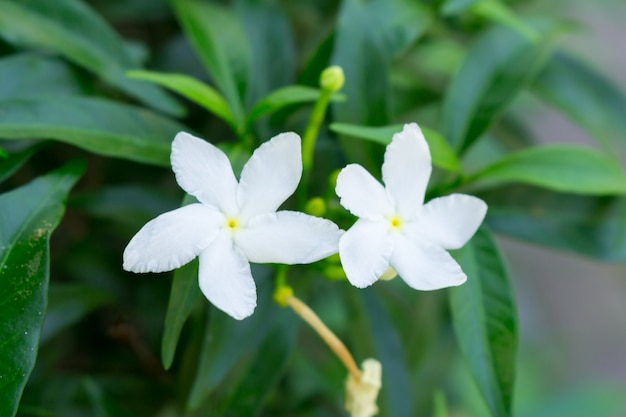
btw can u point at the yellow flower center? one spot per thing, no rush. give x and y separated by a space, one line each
232 224
395 222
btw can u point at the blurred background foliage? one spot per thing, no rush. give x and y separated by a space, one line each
85 146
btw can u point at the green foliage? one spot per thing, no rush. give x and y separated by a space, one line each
89 79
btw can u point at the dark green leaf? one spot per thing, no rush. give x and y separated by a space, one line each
184 296
29 215
68 303
368 36
589 99
594 227
283 97
500 64
99 126
219 40
562 168
442 154
13 162
484 319
29 75
72 29
452 7
192 89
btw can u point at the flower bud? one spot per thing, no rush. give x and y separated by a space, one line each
332 79
315 207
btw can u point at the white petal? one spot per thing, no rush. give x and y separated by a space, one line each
449 222
270 176
225 278
362 195
407 169
424 266
288 237
364 251
204 171
172 239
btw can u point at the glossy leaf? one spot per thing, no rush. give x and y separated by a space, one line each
219 40
100 126
485 323
499 65
442 154
71 28
33 75
562 168
192 89
593 227
586 96
29 215
286 96
184 296
11 163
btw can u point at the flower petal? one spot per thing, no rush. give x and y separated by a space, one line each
450 221
407 169
270 176
362 195
204 171
172 239
364 251
424 266
288 237
225 278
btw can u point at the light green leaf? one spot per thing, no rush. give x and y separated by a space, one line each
562 168
100 126
586 96
192 89
442 154
184 296
71 28
485 323
33 75
29 215
286 96
593 227
220 42
453 7
499 65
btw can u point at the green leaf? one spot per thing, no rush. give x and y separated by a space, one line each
33 75
442 154
68 303
368 36
184 296
72 29
453 7
586 96
286 96
220 42
29 215
11 163
100 126
564 168
192 89
499 12
499 65
485 323
593 227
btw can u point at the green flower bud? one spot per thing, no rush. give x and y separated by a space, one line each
332 79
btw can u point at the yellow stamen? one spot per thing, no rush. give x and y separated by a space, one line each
395 222
232 224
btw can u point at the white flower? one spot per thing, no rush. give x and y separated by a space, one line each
234 223
361 393
395 228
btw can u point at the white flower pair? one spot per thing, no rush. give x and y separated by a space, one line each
235 223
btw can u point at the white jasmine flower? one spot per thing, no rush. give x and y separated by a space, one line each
361 393
234 223
395 228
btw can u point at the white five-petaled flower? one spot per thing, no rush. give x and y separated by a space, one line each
395 228
234 223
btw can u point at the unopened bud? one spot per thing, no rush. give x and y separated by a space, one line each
332 79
